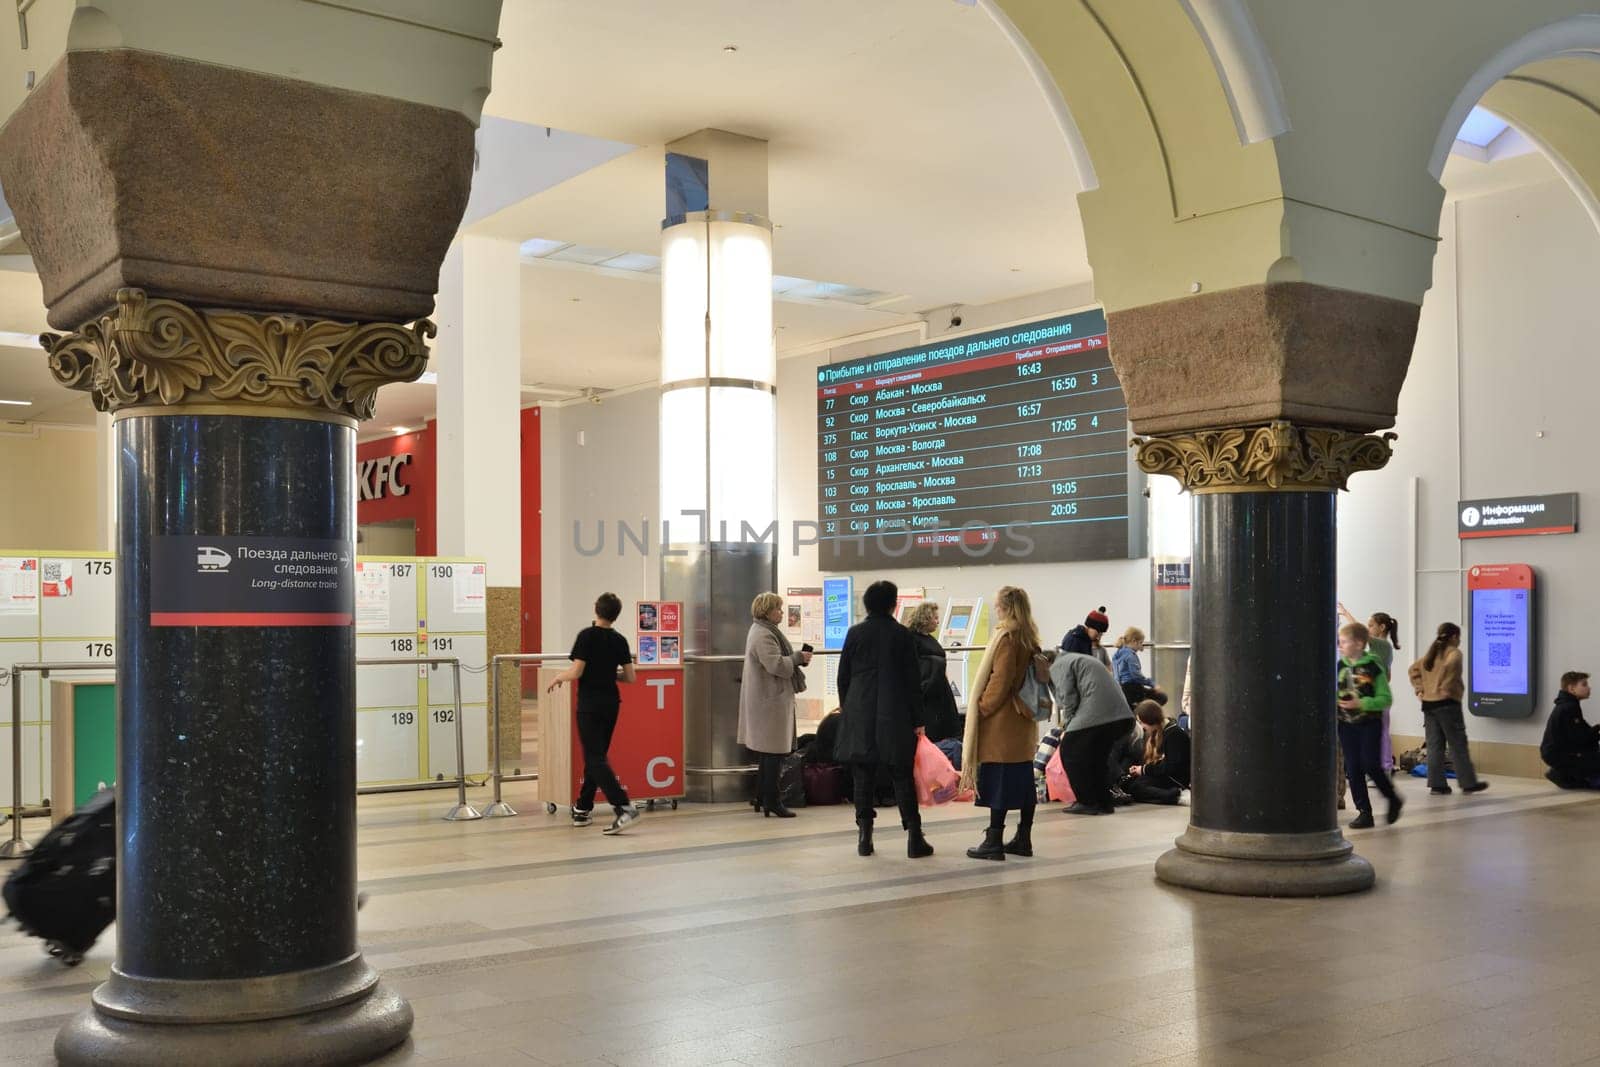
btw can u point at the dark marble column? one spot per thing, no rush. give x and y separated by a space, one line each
1263 819
236 932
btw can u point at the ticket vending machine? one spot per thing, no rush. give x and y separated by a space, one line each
966 623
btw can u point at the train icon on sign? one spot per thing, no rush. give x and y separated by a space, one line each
211 559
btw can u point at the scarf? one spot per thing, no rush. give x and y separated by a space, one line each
799 676
970 757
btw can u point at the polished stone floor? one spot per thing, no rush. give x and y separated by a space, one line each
712 936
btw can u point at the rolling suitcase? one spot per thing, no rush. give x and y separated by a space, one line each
65 891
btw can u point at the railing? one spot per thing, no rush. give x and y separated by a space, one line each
16 847
462 811
498 808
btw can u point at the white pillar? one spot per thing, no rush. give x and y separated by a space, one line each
478 358
105 462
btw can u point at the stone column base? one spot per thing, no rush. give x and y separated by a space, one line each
1265 865
722 786
355 1032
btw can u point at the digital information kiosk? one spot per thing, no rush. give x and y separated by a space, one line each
1501 653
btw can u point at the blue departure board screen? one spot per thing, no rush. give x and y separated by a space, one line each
1004 446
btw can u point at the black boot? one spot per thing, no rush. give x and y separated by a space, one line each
863 837
991 849
917 846
771 800
1021 843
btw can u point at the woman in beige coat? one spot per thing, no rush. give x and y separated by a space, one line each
997 752
772 676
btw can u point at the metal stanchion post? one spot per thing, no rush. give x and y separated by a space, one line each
463 811
498 808
16 848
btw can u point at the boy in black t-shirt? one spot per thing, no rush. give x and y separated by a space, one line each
598 654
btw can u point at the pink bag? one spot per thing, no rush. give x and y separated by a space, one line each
1055 778
937 781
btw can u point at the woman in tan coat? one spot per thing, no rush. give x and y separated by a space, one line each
772 676
997 752
1436 679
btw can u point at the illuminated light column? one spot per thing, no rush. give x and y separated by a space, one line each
718 431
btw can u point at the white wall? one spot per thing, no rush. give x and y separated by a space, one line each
48 479
1498 402
610 477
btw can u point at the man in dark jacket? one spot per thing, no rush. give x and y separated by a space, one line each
880 692
1085 639
1571 747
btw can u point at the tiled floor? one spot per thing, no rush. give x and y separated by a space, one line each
712 936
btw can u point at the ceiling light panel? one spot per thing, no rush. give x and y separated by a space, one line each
582 254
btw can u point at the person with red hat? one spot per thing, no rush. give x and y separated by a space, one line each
1085 639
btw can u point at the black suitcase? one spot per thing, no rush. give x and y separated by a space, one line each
65 891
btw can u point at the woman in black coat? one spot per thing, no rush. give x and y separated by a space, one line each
880 693
941 720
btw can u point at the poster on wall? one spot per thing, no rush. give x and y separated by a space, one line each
372 595
659 628
57 580
471 588
803 614
19 586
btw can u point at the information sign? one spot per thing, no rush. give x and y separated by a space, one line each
1517 516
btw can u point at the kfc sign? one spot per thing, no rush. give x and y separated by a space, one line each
380 477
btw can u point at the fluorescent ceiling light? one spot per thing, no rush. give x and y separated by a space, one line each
603 259
582 254
428 377
634 261
18 403
20 340
1481 128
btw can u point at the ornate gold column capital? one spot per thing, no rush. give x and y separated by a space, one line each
1276 457
162 353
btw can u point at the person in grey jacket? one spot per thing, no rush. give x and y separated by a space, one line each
1095 714
772 676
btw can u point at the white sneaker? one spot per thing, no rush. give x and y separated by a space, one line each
580 817
625 818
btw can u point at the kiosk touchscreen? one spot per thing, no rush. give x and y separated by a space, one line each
1501 660
965 623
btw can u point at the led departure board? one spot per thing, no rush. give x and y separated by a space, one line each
1003 446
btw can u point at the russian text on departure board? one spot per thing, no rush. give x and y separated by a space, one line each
1010 443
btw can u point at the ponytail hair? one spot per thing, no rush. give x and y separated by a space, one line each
1447 635
1391 628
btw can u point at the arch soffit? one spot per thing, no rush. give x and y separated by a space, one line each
1556 105
1171 109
